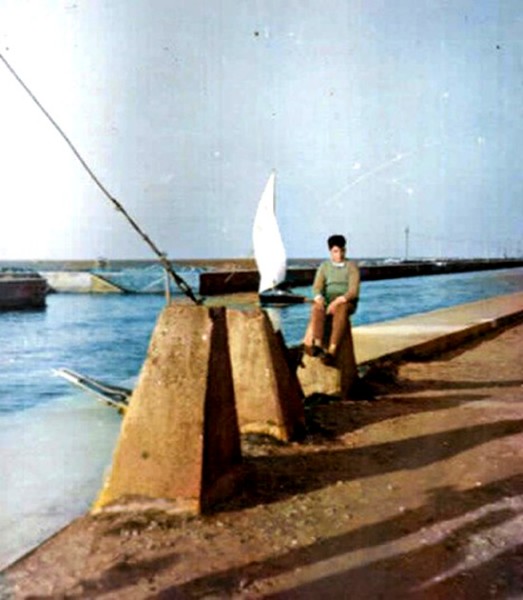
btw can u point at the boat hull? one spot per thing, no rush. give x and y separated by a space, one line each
22 292
280 297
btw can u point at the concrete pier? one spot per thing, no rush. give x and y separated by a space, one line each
391 341
426 334
247 280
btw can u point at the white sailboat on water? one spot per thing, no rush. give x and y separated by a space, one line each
269 251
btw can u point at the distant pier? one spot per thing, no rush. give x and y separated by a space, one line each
230 276
247 280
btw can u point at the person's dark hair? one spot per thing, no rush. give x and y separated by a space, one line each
336 240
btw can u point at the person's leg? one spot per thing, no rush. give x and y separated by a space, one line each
317 323
339 325
313 341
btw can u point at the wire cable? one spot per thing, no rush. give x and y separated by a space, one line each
180 282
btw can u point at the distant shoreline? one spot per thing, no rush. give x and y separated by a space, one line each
90 264
226 264
227 276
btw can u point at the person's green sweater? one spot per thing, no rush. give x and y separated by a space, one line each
337 279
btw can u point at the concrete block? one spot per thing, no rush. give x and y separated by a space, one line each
269 399
180 440
336 380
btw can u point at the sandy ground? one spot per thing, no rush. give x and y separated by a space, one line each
414 491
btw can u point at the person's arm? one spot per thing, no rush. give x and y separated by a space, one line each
354 282
319 284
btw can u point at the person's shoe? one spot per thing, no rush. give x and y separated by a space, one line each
317 351
308 350
329 360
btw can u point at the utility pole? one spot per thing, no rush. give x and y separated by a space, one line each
407 231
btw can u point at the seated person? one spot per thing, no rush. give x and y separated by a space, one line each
336 289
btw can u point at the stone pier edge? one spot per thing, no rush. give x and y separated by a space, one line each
423 335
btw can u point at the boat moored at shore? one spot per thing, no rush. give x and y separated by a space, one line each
21 290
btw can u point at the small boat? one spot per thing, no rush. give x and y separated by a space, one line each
277 295
22 290
113 395
269 252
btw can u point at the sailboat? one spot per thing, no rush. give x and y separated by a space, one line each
269 251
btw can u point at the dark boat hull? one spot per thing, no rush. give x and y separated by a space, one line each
280 297
19 292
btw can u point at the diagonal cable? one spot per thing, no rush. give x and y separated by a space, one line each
180 282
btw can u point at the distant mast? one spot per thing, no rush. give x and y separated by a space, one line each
269 251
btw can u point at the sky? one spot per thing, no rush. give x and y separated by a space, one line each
398 124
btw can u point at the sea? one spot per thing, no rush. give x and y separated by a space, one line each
56 441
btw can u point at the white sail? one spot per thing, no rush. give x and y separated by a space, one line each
269 251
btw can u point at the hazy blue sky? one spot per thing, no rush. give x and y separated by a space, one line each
376 115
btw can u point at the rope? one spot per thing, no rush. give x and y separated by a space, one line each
180 282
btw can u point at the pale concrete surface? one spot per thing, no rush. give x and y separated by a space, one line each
435 331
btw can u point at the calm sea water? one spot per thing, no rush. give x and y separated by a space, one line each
106 336
56 442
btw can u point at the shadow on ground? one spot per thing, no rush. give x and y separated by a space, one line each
401 573
277 477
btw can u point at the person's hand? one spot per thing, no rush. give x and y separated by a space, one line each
335 303
319 299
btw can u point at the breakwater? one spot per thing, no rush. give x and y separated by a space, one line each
247 280
225 276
